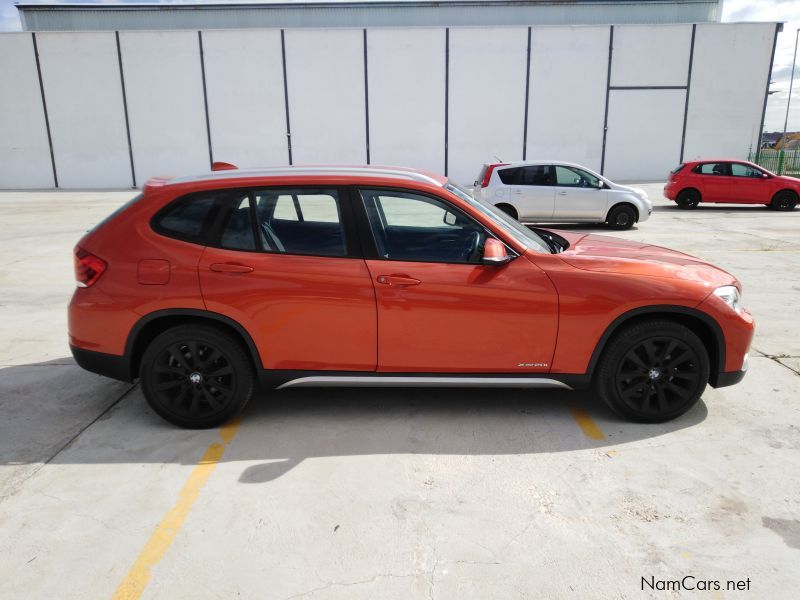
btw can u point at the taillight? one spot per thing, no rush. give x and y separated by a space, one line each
88 267
488 174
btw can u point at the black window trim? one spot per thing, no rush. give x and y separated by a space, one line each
367 237
697 169
212 229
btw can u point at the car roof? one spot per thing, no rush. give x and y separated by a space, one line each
356 172
524 163
718 160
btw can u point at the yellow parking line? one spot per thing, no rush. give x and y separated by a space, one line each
586 423
156 547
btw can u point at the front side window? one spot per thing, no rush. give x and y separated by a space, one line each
575 177
740 170
300 221
413 227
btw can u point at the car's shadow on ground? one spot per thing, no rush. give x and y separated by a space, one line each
55 412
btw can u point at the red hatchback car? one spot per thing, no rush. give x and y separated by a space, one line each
350 276
730 181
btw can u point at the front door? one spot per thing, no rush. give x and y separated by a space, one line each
579 196
285 267
748 185
440 309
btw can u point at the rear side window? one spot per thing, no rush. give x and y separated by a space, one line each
187 218
677 169
512 176
711 169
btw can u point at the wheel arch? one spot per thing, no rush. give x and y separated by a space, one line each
151 325
786 189
702 324
507 204
689 188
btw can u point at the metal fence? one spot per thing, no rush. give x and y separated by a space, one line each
781 162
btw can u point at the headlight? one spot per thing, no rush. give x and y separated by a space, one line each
730 296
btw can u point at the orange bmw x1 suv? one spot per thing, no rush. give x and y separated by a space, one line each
203 286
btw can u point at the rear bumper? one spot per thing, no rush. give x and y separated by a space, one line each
108 365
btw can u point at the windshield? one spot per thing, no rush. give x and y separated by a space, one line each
530 239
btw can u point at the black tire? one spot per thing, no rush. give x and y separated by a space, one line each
653 371
509 210
688 199
196 376
621 217
784 200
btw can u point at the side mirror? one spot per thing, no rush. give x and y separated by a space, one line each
449 218
764 176
495 253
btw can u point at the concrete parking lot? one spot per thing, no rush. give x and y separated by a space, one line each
401 493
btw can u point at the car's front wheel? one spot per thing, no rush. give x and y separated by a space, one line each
621 217
784 200
653 371
196 376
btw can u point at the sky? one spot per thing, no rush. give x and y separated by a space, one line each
787 11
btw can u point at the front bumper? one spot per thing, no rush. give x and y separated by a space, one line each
727 378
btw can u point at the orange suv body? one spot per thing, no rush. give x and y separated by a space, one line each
203 285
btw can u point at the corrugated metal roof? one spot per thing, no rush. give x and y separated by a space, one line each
349 13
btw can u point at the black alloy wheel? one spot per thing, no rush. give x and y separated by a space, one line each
784 200
654 372
621 217
688 199
196 376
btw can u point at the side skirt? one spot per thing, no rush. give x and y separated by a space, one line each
299 379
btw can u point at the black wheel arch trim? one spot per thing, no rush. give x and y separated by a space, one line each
664 309
136 330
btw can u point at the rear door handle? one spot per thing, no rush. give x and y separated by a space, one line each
231 268
562 193
398 280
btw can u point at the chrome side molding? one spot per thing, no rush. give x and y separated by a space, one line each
424 381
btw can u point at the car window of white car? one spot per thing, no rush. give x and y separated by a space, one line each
574 177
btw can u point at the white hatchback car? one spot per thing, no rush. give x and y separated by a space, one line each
560 192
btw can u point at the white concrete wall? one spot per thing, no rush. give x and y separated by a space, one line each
644 133
406 97
244 82
729 78
407 108
82 85
566 108
165 102
487 98
325 78
24 149
651 56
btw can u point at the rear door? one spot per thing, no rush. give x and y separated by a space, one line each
530 190
286 265
579 196
715 181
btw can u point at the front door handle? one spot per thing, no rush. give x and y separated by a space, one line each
231 268
398 280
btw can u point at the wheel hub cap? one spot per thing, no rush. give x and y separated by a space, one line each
195 378
654 373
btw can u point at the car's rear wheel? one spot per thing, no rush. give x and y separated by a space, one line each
509 210
784 200
653 371
621 217
688 199
196 376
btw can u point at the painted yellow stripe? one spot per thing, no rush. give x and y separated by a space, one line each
156 547
586 423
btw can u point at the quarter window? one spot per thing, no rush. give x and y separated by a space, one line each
413 227
187 218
